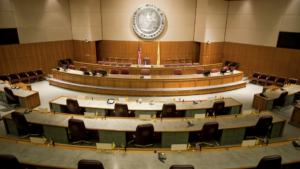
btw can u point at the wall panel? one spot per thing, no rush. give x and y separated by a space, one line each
211 53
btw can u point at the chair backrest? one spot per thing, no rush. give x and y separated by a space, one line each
263 76
125 60
209 131
114 71
113 64
69 60
8 92
188 61
145 72
105 59
83 68
13 76
256 74
174 61
169 110
214 70
121 110
181 60
199 71
281 79
270 162
8 161
262 125
218 108
72 67
167 61
39 71
272 78
31 73
90 164
225 67
77 128
177 72
196 64
106 63
174 65
144 134
185 166
4 77
125 71
147 61
227 62
181 64
282 97
167 65
118 60
127 64
22 74
120 64
97 70
111 59
100 62
189 64
73 106
293 81
20 121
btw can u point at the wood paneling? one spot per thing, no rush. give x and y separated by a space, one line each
271 60
85 51
211 53
129 49
25 57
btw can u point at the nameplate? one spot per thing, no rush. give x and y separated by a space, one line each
248 143
36 140
80 97
178 147
211 98
247 112
122 99
199 116
147 77
145 116
104 146
89 114
42 110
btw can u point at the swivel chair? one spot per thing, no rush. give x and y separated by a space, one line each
169 110
73 106
144 136
12 98
278 103
77 130
186 166
90 164
208 132
270 162
261 128
9 162
121 110
218 108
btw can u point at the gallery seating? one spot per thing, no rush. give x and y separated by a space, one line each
262 78
231 64
270 162
4 77
254 76
292 81
32 76
23 77
281 81
271 80
100 62
146 61
13 78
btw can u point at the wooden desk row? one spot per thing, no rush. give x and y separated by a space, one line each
154 70
189 109
28 99
67 156
173 130
263 103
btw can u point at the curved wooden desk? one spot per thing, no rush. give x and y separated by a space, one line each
154 86
154 70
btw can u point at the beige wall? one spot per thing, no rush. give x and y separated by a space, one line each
210 20
117 14
86 19
259 22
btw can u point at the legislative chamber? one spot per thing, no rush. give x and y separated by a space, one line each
169 84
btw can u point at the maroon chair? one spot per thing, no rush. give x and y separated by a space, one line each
8 161
73 106
271 80
71 67
144 135
113 63
174 65
12 98
167 65
31 75
121 110
169 110
214 70
69 61
189 64
100 62
40 74
97 70
23 77
262 78
196 64
254 77
13 78
226 67
208 132
106 63
292 81
125 71
92 164
147 61
77 130
83 68
120 64
127 64
199 71
145 72
4 77
270 162
181 64
114 71
178 72
281 81
185 166
217 109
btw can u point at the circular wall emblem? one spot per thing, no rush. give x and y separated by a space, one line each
120 109
212 130
74 128
145 133
148 21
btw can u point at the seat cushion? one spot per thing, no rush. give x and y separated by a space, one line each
280 84
15 80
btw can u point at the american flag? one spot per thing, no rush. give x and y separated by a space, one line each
139 54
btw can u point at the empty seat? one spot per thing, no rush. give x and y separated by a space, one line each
174 65
271 80
254 77
62 62
181 64
169 110
125 71
146 61
270 162
23 77
69 61
113 64
167 65
121 110
9 162
4 77
263 78
127 64
106 63
199 71
97 70
83 68
71 67
90 164
145 72
120 64
174 61
40 74
13 78
100 62
196 64
281 81
178 72
214 70
114 71
189 64
31 75
292 81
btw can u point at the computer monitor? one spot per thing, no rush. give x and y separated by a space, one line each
94 72
64 67
103 72
232 69
206 73
223 71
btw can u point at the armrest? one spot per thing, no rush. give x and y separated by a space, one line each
267 78
258 76
35 73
